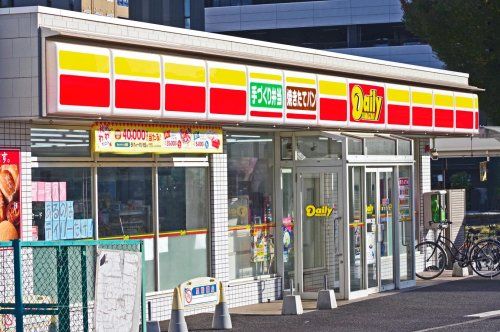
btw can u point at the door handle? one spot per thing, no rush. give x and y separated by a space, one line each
380 236
336 234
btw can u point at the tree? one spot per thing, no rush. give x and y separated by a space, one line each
465 34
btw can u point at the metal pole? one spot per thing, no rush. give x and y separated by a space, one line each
143 288
325 280
18 278
85 308
291 286
63 288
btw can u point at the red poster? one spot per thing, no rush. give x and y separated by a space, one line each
367 103
10 194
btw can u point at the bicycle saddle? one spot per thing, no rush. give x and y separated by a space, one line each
474 231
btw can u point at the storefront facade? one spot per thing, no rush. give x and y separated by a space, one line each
268 171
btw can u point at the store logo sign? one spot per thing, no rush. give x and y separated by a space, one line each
266 95
321 211
365 106
299 98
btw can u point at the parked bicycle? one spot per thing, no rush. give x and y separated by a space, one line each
482 255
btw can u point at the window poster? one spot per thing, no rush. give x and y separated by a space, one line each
404 199
10 197
262 244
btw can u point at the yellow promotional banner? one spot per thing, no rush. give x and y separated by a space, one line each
133 138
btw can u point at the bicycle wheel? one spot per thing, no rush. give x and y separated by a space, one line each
430 260
485 258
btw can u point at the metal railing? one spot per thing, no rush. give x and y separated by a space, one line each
50 285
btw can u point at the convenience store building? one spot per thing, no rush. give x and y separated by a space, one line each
252 162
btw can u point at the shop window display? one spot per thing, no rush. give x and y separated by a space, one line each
125 200
250 207
183 220
62 203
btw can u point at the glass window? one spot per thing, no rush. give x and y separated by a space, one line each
380 146
405 218
318 147
288 223
183 201
50 142
124 201
250 214
286 148
356 230
404 147
354 146
62 203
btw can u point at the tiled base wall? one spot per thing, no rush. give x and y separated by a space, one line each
240 294
254 292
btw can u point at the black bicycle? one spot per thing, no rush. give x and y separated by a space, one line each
482 255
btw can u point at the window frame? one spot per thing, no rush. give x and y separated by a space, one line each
95 161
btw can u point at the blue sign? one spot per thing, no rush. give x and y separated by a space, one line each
48 230
61 225
48 211
200 290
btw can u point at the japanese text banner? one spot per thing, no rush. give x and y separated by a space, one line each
128 138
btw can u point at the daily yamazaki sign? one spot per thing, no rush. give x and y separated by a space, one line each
367 103
99 81
129 138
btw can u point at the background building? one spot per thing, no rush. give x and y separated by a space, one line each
369 28
187 14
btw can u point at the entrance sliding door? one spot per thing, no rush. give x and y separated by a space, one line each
379 242
319 254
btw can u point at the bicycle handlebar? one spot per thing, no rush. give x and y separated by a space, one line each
440 223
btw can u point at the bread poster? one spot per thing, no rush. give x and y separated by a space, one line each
10 196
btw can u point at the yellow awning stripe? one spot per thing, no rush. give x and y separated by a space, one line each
464 102
137 67
95 63
263 76
400 96
424 98
301 80
443 100
333 88
184 72
228 76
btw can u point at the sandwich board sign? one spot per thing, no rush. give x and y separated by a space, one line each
200 292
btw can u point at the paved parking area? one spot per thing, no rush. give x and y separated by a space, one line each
442 305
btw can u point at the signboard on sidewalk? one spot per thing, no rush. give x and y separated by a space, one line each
136 138
118 291
10 194
200 292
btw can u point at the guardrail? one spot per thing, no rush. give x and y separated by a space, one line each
51 285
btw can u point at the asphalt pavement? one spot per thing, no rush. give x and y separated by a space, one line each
441 307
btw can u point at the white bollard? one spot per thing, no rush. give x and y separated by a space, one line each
459 271
326 300
292 305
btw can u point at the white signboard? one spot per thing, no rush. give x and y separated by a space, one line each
200 292
118 291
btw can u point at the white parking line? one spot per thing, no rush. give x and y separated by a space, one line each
479 317
485 314
452 325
